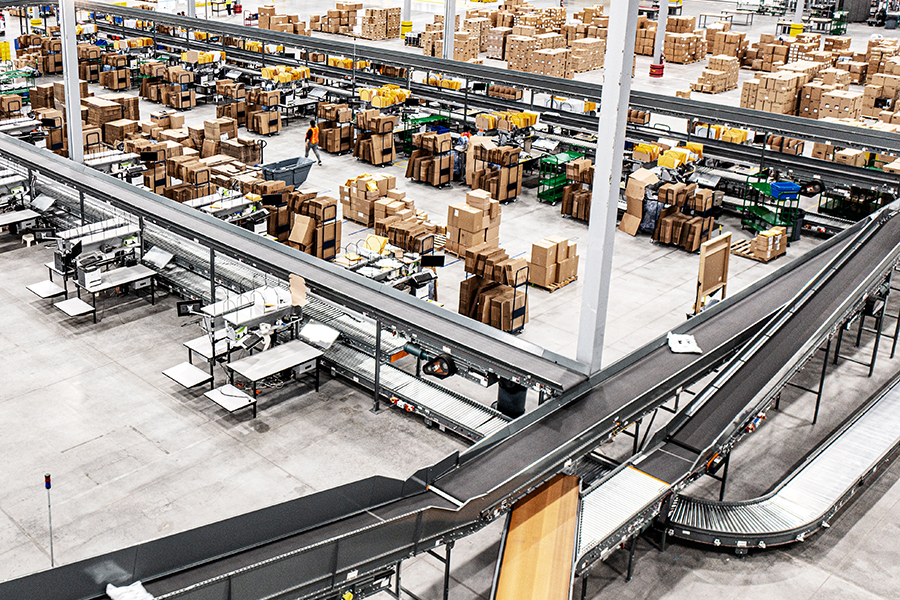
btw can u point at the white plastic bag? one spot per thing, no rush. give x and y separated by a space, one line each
135 591
683 344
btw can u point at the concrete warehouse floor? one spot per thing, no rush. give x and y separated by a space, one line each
135 457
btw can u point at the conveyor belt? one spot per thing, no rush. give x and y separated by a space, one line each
482 479
720 410
810 495
471 419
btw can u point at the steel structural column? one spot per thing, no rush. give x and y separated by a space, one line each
406 13
662 19
798 15
191 8
70 77
607 175
449 28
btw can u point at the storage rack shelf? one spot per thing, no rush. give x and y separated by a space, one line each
553 176
766 206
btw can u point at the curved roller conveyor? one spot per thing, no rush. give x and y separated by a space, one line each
810 495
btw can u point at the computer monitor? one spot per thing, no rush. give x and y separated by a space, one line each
149 156
272 199
187 308
433 260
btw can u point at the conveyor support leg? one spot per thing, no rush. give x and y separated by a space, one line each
376 405
631 558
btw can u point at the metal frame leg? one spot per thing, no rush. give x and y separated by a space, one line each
630 573
724 478
584 582
376 404
822 382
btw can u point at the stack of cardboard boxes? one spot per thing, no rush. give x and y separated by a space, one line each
374 24
10 106
478 27
587 54
774 92
728 43
336 131
769 244
315 228
375 144
88 62
552 63
397 219
684 48
676 227
359 195
646 37
51 59
880 97
519 51
465 46
472 223
235 96
268 19
493 295
431 161
496 42
721 76
493 303
497 170
840 104
340 20
576 201
554 262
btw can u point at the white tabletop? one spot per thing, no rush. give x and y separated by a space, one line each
277 359
187 375
45 289
74 307
17 216
121 276
229 397
202 347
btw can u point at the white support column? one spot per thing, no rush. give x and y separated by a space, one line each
798 14
607 177
662 19
70 77
449 27
192 8
406 13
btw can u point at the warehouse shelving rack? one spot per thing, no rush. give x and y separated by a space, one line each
764 208
552 175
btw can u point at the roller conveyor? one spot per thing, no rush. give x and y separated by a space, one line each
685 448
338 542
463 415
810 495
612 505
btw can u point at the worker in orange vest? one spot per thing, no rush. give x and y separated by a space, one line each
312 140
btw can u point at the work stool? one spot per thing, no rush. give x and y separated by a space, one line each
28 238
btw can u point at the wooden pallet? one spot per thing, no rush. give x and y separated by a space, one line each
742 249
555 286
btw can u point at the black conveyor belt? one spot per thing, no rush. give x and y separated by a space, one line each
718 413
366 536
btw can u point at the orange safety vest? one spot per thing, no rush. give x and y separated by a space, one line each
315 135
